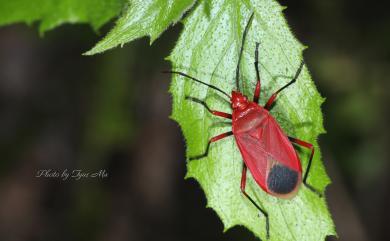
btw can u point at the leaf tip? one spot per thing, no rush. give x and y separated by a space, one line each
89 52
188 176
168 58
43 28
95 49
322 99
99 48
153 38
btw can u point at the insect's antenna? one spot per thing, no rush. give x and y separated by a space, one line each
196 80
299 69
241 50
295 77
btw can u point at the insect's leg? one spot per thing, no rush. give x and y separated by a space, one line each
258 84
273 96
214 112
243 185
311 147
214 139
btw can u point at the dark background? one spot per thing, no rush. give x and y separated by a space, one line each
60 110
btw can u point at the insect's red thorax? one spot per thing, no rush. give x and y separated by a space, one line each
239 101
246 114
248 117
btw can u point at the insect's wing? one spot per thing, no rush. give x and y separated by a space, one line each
277 144
264 146
254 156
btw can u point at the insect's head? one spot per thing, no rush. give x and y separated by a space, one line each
239 101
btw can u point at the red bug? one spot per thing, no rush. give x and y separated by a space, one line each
266 150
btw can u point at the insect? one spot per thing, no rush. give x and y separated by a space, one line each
266 150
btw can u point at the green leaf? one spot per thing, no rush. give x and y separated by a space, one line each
142 18
53 13
208 50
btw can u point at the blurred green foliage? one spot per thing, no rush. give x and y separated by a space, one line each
51 13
